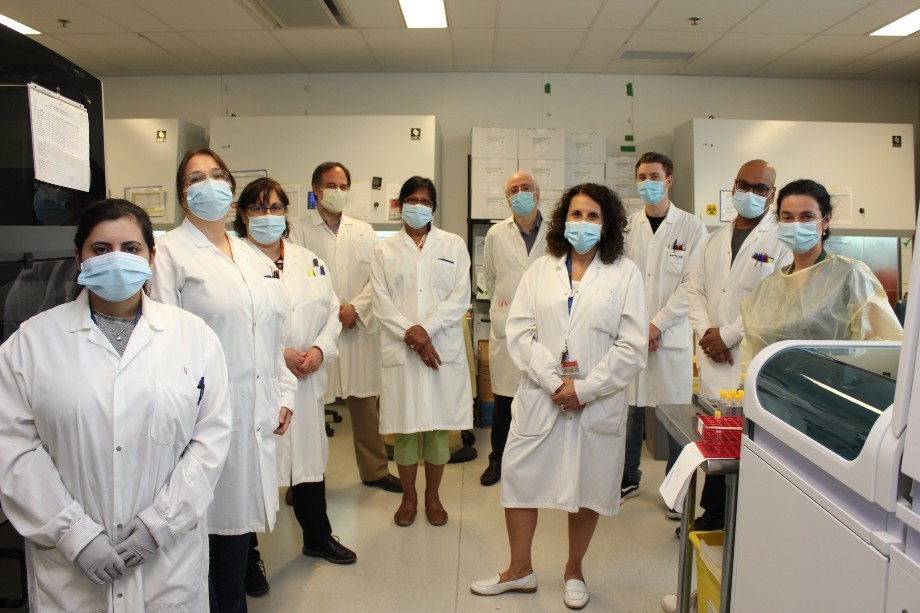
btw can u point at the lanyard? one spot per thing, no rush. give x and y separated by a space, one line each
568 267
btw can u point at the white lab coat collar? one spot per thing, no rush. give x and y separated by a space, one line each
669 217
151 322
562 273
316 218
434 235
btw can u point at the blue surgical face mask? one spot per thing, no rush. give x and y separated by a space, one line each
267 229
748 204
210 199
582 235
114 276
417 216
800 236
650 191
522 203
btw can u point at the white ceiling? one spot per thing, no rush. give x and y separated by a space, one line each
759 38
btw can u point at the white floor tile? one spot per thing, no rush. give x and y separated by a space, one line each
631 564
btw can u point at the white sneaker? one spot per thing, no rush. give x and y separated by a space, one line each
576 594
669 603
494 586
674 514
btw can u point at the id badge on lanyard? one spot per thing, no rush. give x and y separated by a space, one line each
569 366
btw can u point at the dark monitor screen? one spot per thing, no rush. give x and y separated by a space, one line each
23 200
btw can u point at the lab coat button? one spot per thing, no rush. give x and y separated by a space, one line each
118 595
119 526
118 448
257 376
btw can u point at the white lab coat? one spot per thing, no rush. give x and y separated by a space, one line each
668 377
245 306
504 261
90 439
312 320
348 255
717 287
572 460
430 287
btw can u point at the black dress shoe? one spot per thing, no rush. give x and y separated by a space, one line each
332 550
388 483
464 454
254 581
492 474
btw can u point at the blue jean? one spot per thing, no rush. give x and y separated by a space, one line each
635 432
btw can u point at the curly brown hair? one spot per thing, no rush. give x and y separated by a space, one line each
612 243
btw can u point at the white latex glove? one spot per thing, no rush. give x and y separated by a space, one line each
100 562
137 544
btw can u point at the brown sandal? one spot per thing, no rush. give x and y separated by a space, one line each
404 517
436 517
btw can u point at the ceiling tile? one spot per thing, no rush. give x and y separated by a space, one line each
255 52
598 49
716 15
202 15
43 15
872 17
403 49
328 50
129 51
739 54
181 46
372 13
471 13
473 47
799 16
567 14
670 41
543 50
907 68
638 67
823 54
623 14
897 50
94 65
129 15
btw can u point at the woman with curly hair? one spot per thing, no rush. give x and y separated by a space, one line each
578 329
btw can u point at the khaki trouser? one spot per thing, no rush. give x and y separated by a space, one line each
370 453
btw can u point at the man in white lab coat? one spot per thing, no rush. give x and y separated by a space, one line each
347 246
511 246
733 261
664 242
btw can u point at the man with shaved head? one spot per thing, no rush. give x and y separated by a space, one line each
734 260
512 245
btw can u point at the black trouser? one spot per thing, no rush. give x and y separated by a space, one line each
229 555
310 510
501 423
712 498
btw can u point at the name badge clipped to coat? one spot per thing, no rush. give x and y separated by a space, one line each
568 365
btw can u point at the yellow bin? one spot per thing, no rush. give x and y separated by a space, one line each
708 571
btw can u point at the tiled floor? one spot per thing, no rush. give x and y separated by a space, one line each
631 564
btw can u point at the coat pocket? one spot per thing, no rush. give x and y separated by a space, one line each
606 415
175 412
533 412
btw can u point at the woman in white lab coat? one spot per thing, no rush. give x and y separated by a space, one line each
114 429
205 270
421 289
311 330
578 329
819 296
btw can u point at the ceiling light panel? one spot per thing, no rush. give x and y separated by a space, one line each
423 14
19 27
905 26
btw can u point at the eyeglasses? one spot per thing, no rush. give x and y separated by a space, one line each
414 200
760 189
523 188
198 177
259 209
